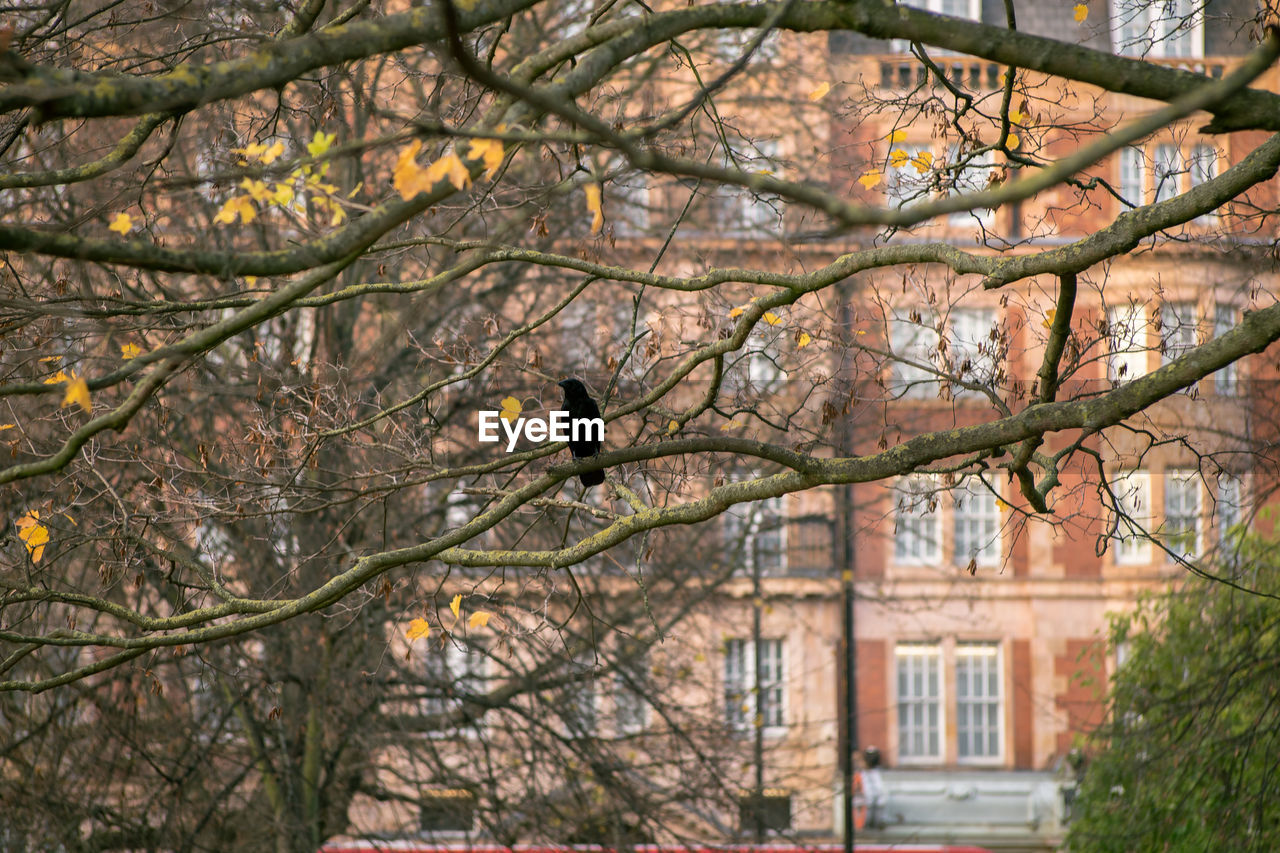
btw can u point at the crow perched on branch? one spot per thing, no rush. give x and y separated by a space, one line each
578 403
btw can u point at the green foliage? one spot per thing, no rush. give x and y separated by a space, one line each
1188 757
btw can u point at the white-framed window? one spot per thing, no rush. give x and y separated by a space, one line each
1127 335
908 171
1132 489
1168 29
741 211
759 529
976 517
970 9
1203 167
1225 380
1230 505
972 344
1179 330
579 326
919 696
578 698
740 681
979 703
453 675
914 342
971 179
1181 530
630 683
729 44
1168 172
1133 168
631 205
764 359
916 529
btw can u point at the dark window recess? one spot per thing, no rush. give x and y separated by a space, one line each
809 545
448 810
773 805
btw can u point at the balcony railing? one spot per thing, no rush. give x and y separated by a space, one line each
907 72
904 71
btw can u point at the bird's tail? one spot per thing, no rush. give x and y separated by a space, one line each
591 478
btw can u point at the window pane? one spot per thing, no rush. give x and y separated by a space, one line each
914 342
1132 491
978 701
1132 176
1181 529
916 529
1179 330
977 524
973 344
919 705
1168 172
907 174
1203 166
1127 330
1224 320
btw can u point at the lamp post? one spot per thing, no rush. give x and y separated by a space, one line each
845 557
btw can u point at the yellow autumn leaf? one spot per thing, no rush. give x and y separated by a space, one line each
1081 12
408 178
456 604
488 150
771 318
320 143
672 427
60 376
819 93
449 166
595 206
336 211
4 427
1001 505
77 394
128 351
122 223
282 195
479 619
923 161
270 155
871 179
253 151
511 409
1016 116
803 341
728 425
896 136
1013 142
418 628
33 534
241 206
734 313
898 158
1047 322
257 189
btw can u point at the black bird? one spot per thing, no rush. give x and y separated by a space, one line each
578 403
